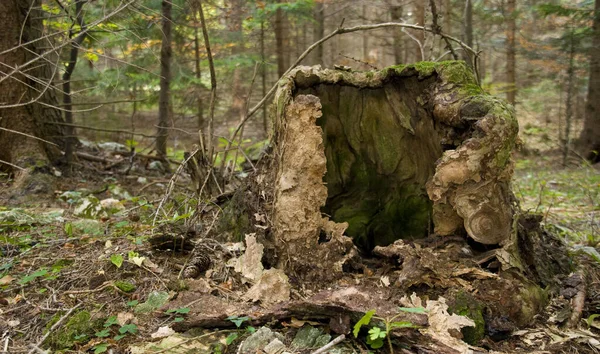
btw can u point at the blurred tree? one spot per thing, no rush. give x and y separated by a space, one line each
165 82
511 29
589 141
27 97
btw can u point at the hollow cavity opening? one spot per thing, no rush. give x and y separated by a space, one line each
381 146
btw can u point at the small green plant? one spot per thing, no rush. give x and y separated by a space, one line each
238 321
377 334
117 260
179 311
31 277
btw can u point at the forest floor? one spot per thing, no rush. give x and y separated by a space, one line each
78 273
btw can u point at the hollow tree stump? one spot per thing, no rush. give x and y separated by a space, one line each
399 153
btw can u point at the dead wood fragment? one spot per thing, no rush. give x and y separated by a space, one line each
577 301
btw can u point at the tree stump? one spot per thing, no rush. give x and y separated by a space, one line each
394 154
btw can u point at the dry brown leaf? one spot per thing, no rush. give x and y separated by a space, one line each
5 280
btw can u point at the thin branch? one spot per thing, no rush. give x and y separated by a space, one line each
329 345
12 165
54 327
18 68
101 129
27 135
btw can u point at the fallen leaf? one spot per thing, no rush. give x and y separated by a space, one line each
138 260
124 317
385 280
5 280
162 332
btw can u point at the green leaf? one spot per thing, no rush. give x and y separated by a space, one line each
119 336
103 333
230 338
178 319
238 320
100 348
375 344
38 273
250 329
112 320
402 324
376 332
365 320
412 309
128 328
590 320
69 229
181 311
117 260
132 303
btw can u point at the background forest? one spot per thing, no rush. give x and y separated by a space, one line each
533 53
128 125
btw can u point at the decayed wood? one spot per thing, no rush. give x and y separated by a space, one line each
396 122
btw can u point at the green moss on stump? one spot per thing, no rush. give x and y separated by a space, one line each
465 304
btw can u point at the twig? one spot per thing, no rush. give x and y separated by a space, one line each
101 129
326 347
12 165
27 135
578 301
54 327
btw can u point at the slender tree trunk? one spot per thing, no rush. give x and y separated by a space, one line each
365 37
165 82
319 31
281 41
447 17
70 131
468 30
263 76
20 97
589 141
198 73
396 15
511 27
419 35
234 25
569 105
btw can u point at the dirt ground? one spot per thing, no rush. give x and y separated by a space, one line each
108 264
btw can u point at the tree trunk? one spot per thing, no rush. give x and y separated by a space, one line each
318 31
396 15
589 141
234 26
69 130
419 35
197 72
20 108
165 83
511 27
468 30
281 41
